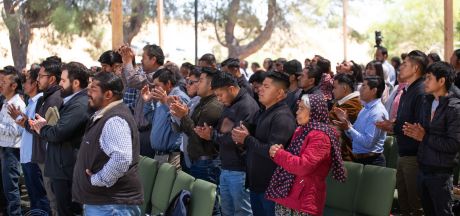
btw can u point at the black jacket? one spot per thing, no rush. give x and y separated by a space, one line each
409 111
51 98
439 150
244 84
268 127
243 109
64 138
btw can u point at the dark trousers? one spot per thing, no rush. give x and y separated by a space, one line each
435 190
144 141
35 187
208 170
261 206
378 160
3 201
10 179
62 189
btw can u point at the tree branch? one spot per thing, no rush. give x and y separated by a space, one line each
216 31
232 18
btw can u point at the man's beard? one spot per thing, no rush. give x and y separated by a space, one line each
65 92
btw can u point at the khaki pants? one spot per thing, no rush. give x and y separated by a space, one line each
49 191
406 184
173 158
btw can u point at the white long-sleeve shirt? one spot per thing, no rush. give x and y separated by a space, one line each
10 132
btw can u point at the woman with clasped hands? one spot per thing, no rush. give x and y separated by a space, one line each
298 185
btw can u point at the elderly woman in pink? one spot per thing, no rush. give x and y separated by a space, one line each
298 185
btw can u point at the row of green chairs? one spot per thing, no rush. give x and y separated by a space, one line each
162 183
368 190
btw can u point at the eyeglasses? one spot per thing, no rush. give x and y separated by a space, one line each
43 75
191 82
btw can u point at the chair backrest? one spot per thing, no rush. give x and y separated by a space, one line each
148 169
183 181
162 188
340 196
390 150
376 190
203 198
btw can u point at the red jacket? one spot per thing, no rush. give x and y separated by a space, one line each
311 167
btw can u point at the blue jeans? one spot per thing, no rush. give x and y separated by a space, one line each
435 190
208 170
35 187
261 206
10 179
111 210
234 196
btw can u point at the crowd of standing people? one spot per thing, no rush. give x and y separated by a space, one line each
266 136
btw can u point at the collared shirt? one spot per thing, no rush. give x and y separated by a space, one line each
391 72
67 99
10 132
27 138
115 142
365 136
348 97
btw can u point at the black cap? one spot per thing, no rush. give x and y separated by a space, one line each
293 67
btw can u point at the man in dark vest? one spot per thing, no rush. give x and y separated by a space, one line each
106 179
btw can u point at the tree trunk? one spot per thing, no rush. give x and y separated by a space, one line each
236 50
137 18
19 33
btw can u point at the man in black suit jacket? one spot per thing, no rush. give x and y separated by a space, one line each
65 136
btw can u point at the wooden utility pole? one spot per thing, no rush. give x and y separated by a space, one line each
116 12
448 29
160 19
345 30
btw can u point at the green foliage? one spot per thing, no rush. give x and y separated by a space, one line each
412 25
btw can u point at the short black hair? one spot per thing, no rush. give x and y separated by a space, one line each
210 72
258 77
346 79
376 82
188 65
33 73
209 58
457 54
53 67
77 71
397 61
16 77
223 80
231 63
279 78
153 50
324 65
255 64
434 57
109 82
315 72
442 69
383 50
419 58
54 58
110 57
195 72
165 75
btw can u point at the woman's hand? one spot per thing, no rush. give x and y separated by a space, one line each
274 149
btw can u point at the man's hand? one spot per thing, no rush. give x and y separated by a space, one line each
342 124
386 125
204 132
159 94
22 121
239 134
341 114
146 94
127 54
14 112
178 110
38 123
414 131
274 149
